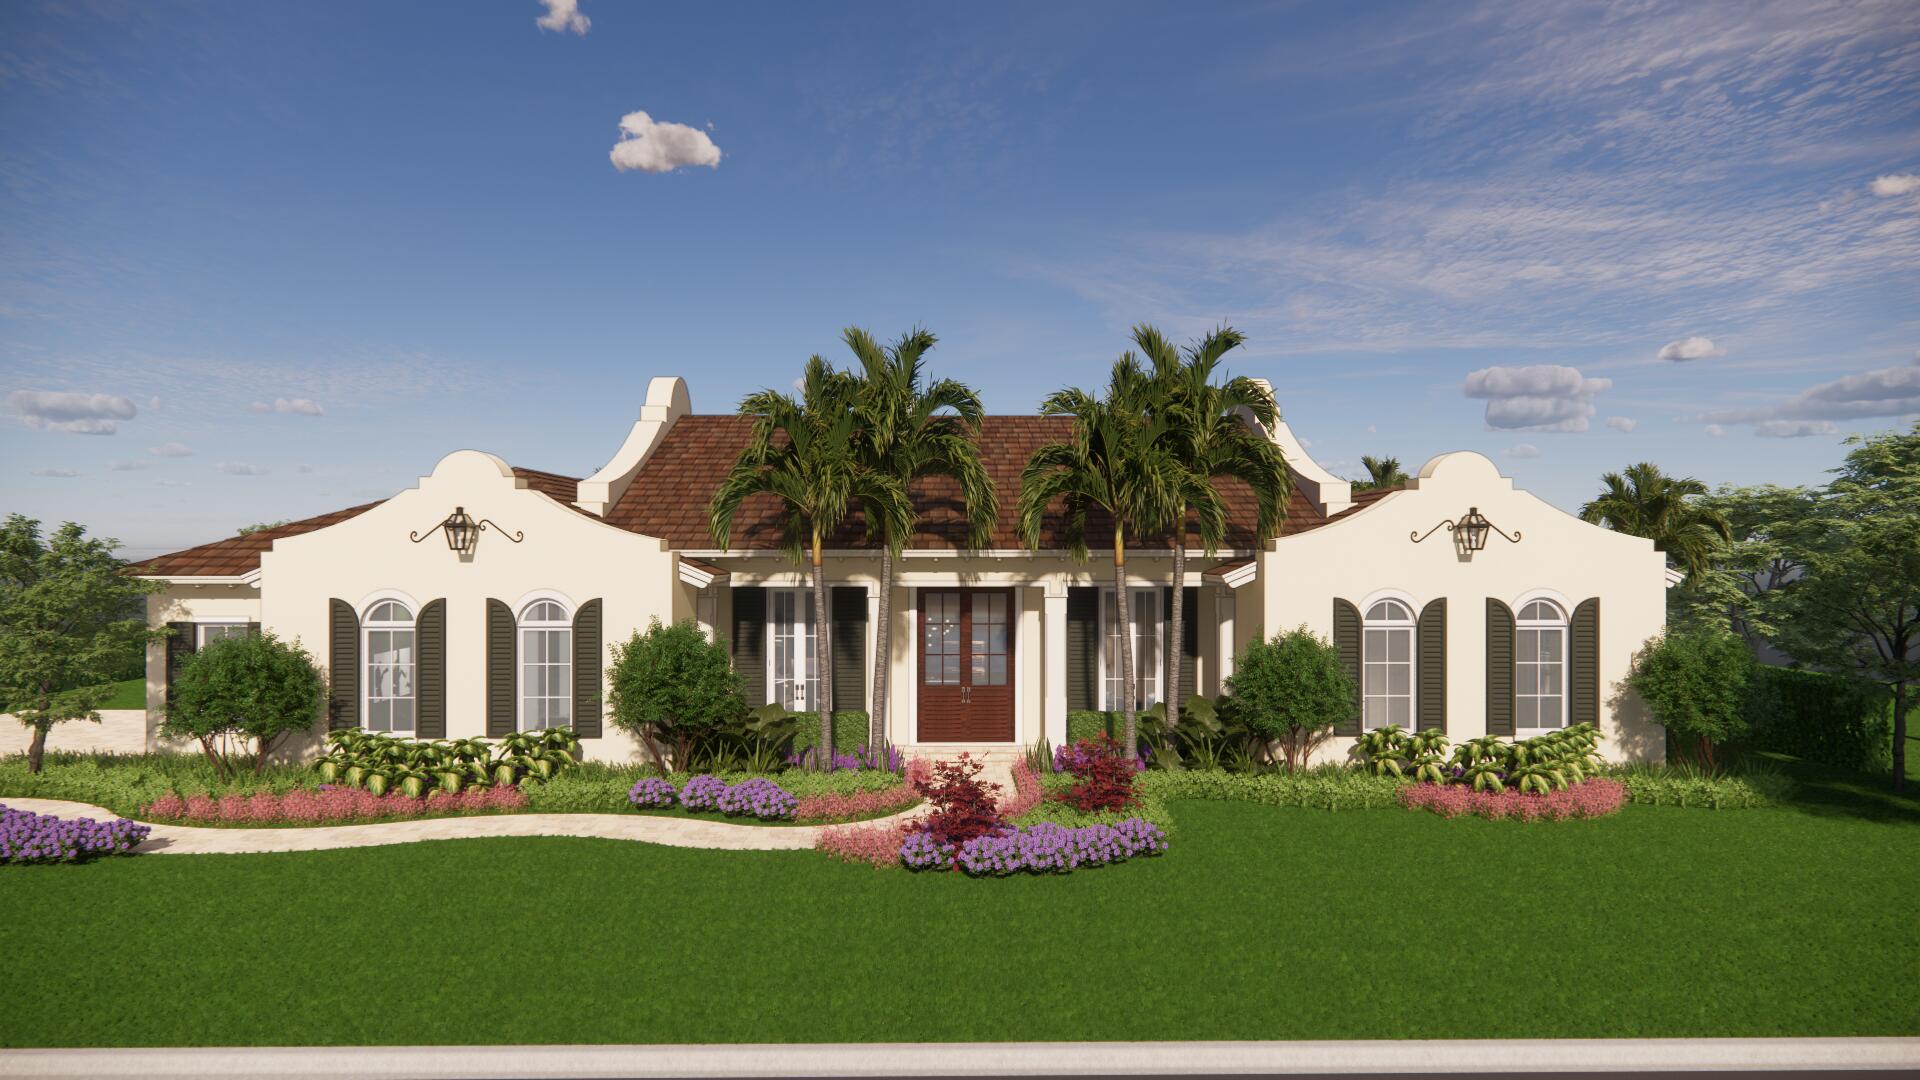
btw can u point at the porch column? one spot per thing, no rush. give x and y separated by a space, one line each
873 639
1054 651
1223 609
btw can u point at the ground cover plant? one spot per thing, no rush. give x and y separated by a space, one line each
1829 874
1592 798
26 837
329 805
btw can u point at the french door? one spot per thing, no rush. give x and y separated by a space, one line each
965 665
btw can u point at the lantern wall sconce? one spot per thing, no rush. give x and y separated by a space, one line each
463 533
1470 532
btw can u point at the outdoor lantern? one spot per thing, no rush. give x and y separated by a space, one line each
1469 533
463 533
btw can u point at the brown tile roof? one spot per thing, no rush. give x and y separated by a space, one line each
669 497
238 555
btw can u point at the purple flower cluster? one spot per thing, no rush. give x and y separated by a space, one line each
888 759
42 838
1044 848
758 797
703 792
652 792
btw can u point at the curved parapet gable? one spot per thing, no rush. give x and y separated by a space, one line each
1329 493
667 401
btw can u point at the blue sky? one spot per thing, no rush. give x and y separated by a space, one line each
260 261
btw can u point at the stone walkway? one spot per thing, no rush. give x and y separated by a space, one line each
670 831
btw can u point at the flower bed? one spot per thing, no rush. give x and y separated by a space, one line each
27 837
328 805
837 807
1593 798
1046 848
878 845
756 798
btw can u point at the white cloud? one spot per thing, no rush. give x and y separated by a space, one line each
563 15
1889 391
1794 429
1894 184
172 449
306 468
153 404
1538 397
1715 430
298 407
78 414
1693 347
56 474
172 483
130 466
1621 423
1524 450
240 468
647 146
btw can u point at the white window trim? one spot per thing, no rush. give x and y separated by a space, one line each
802 595
1107 603
1412 628
200 627
1565 626
367 629
520 626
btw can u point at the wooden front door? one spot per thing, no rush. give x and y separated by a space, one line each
966 665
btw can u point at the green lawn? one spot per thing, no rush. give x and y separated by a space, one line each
1260 923
128 694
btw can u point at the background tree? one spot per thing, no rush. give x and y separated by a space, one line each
1728 592
1854 608
1119 460
1645 502
1382 472
70 617
255 689
1697 684
804 453
910 428
1209 437
1292 689
260 526
673 686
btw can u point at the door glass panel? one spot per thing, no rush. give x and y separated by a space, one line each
988 665
942 646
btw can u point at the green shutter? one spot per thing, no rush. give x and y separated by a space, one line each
180 645
1430 697
502 713
1346 638
343 666
1584 654
1083 649
848 633
587 657
1499 668
430 678
1189 637
750 641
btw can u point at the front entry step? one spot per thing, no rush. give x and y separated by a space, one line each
999 753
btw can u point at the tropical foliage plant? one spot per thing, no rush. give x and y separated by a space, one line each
1644 501
378 762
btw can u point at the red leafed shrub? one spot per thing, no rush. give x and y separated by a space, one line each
964 807
1103 775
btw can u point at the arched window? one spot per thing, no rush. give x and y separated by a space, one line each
546 666
1540 662
1387 665
388 645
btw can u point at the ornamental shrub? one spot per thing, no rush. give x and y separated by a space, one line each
703 792
26 837
964 807
1292 689
1102 772
759 798
1327 787
329 804
674 685
1846 723
254 689
1046 848
1027 792
1593 798
1697 685
877 845
652 792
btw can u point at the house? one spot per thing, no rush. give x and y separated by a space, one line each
483 599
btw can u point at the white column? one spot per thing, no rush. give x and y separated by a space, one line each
1223 607
873 643
706 611
1054 630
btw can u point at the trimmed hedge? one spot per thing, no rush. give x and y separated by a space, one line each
849 730
1091 724
1679 787
1329 787
1814 716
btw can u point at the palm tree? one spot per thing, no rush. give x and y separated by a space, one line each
1210 438
1648 503
817 474
911 429
1119 460
1383 472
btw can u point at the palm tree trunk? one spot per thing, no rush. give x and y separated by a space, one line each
1176 618
823 663
882 649
1132 743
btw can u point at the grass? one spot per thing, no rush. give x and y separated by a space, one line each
1271 923
128 694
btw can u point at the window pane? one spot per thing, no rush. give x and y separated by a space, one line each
1550 679
1376 645
997 671
1528 712
1529 676
1399 676
1400 711
1529 645
1376 679
1375 712
403 714
1550 645
1397 645
1550 712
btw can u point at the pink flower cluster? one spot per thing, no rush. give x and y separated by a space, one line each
328 804
832 806
876 844
1592 798
1027 792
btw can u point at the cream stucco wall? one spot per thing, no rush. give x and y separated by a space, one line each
1370 553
